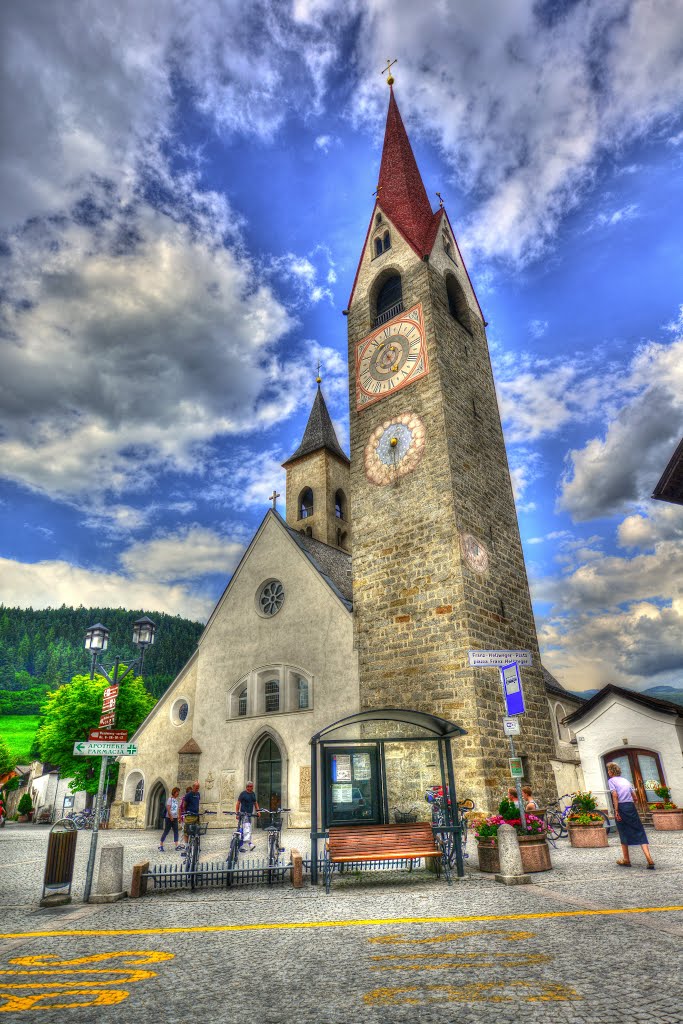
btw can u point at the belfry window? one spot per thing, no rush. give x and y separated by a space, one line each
340 505
457 304
306 504
386 241
378 218
272 694
389 299
378 246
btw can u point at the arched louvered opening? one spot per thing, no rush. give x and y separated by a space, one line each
340 504
306 503
389 301
457 304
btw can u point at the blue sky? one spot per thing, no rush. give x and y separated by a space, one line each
183 201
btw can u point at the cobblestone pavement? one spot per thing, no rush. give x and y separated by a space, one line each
588 941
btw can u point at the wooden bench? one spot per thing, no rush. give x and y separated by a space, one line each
363 844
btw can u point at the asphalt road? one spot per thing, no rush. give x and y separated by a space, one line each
586 942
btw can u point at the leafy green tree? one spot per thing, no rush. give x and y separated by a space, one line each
8 760
72 710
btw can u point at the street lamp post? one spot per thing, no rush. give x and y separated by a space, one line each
96 642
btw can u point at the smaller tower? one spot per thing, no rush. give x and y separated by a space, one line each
318 482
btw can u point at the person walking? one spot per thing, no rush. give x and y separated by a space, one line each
629 825
246 804
171 818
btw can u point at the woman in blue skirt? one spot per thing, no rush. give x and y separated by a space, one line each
631 831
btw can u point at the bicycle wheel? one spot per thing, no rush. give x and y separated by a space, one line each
234 851
272 849
555 824
191 860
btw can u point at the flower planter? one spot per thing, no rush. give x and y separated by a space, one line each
585 836
669 820
22 817
534 850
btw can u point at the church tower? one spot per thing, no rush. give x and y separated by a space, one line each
318 484
438 567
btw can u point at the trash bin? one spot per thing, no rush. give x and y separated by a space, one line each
59 864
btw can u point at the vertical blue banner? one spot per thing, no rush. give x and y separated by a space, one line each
512 688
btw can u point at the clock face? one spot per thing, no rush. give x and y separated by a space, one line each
394 449
391 357
476 555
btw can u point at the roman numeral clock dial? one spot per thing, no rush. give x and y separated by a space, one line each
390 358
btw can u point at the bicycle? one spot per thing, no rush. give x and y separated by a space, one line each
237 837
194 831
435 797
556 817
274 828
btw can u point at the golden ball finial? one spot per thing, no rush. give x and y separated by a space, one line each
393 442
390 80
318 380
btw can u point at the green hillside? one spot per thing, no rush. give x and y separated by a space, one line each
18 731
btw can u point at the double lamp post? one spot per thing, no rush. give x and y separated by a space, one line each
96 642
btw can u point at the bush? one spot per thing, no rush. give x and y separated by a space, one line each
508 809
584 802
25 804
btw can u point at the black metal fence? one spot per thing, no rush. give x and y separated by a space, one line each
207 875
405 864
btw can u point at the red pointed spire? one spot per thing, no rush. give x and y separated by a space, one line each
401 192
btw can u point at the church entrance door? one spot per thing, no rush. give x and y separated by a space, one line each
268 778
156 807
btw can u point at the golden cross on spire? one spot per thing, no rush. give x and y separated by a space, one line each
318 379
390 77
440 200
378 190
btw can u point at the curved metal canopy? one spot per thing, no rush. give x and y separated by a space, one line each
440 728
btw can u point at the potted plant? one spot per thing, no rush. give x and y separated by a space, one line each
25 808
532 840
586 827
666 816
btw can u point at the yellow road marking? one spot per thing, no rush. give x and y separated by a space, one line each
353 923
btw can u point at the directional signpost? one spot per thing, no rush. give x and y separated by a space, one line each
108 735
96 749
508 662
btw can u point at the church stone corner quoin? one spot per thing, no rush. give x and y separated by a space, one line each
438 566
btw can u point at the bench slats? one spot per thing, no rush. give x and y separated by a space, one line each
381 842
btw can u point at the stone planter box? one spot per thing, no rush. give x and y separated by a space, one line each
534 850
670 820
588 836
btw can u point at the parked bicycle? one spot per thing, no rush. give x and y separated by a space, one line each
86 818
237 837
190 854
435 797
556 817
273 830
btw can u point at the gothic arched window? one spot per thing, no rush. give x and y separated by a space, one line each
378 246
386 241
139 792
389 299
272 694
306 503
